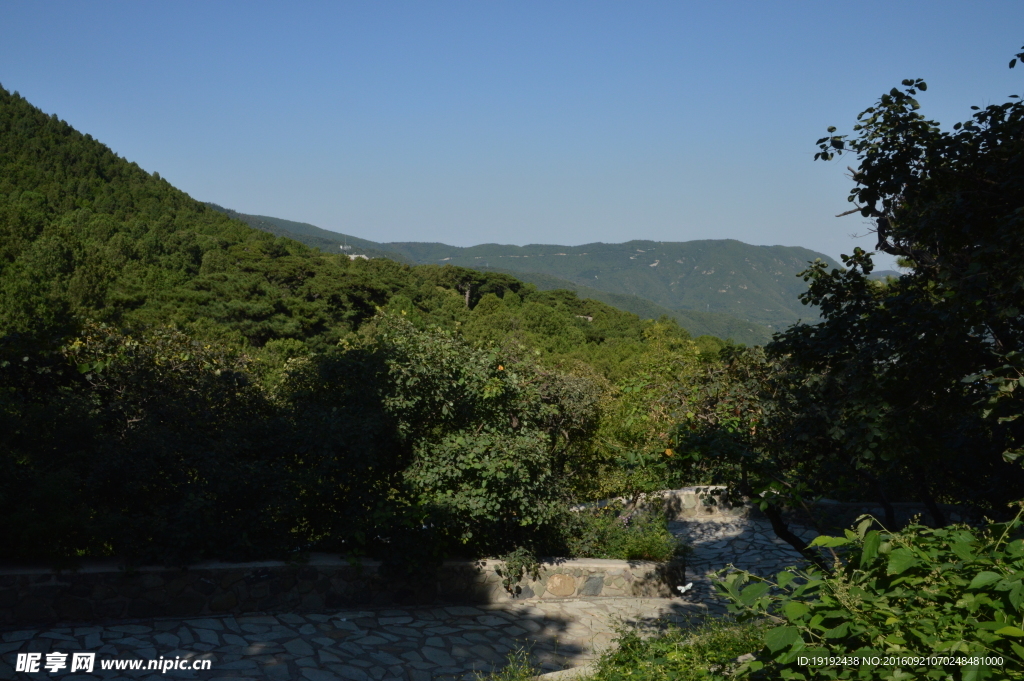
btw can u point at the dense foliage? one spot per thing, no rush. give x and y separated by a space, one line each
176 385
904 604
751 283
908 389
157 447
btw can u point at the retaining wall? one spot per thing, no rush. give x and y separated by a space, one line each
102 591
713 502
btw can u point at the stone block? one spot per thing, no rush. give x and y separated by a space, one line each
113 608
205 586
176 586
230 578
561 585
593 586
33 610
8 598
73 608
151 580
142 609
223 602
185 604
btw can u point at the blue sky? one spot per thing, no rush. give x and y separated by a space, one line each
511 122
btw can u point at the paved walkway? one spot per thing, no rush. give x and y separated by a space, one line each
748 543
419 644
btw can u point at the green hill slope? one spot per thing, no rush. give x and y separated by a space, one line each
696 322
88 235
315 237
753 283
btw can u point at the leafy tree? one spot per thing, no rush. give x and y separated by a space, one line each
907 389
948 202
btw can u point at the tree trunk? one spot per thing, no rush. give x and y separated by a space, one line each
883 499
782 531
938 517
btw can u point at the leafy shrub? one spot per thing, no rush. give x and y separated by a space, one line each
609 533
708 650
517 565
952 592
518 667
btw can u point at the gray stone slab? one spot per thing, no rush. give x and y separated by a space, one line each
277 671
349 672
299 647
205 624
438 656
131 629
235 640
370 641
319 675
208 636
463 610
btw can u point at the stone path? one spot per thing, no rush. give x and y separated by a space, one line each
747 543
416 644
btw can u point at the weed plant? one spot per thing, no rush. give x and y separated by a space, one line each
518 667
708 650
610 533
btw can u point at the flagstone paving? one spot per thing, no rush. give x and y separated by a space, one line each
411 644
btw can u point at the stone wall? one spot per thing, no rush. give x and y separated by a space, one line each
834 516
101 591
712 502
688 503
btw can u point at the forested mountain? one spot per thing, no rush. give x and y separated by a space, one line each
314 237
87 235
754 283
722 287
175 384
697 322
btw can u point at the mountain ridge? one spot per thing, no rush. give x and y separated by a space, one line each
756 285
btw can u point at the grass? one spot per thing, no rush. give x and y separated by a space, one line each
518 667
608 533
700 652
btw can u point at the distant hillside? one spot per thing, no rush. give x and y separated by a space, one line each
753 283
315 237
696 322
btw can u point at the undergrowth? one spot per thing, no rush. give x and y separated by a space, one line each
704 651
611 533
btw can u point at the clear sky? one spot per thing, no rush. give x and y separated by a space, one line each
512 122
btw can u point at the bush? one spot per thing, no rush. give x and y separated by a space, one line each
154 447
708 650
610 533
952 592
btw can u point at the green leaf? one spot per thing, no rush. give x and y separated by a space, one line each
824 540
795 610
900 561
963 550
862 527
838 632
984 579
778 638
1010 631
870 550
753 592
